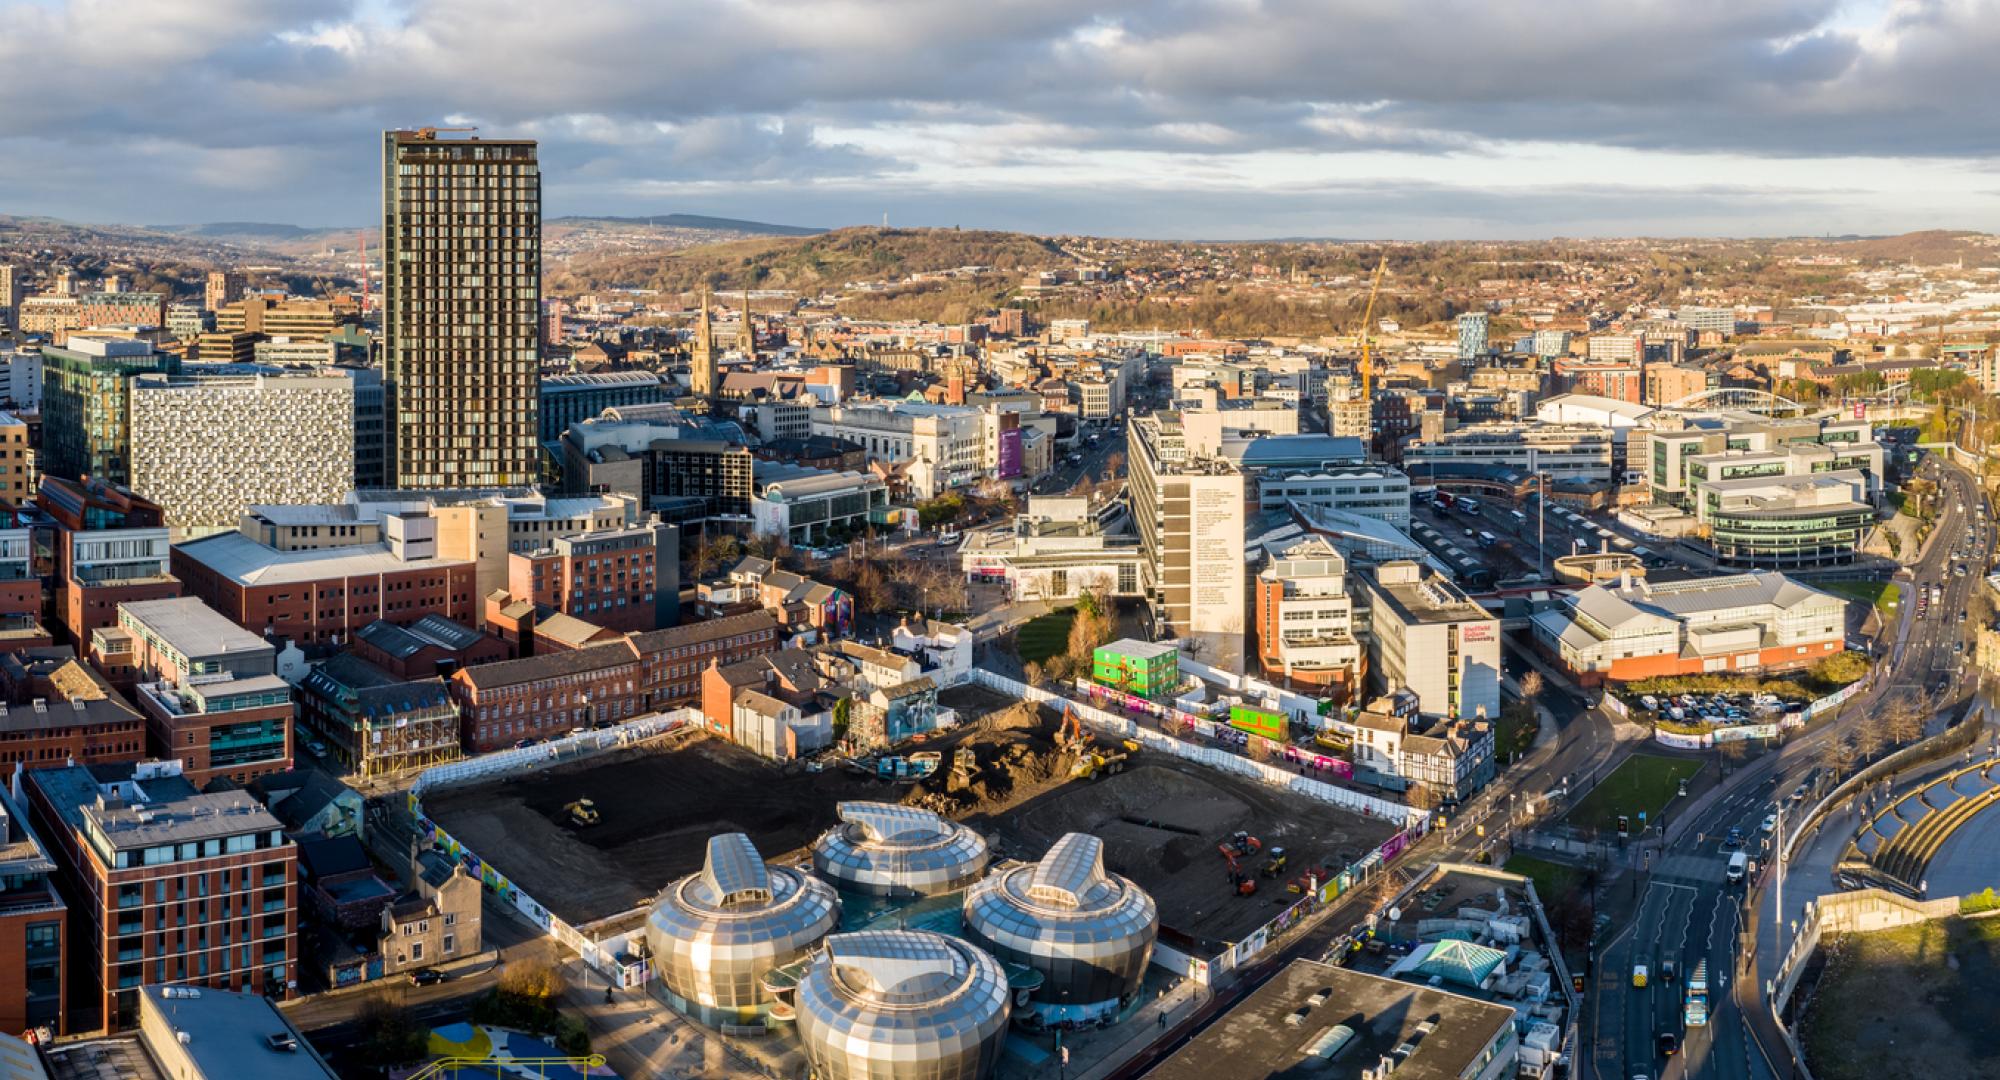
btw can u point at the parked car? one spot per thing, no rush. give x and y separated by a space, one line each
427 977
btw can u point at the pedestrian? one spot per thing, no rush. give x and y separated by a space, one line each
1163 1019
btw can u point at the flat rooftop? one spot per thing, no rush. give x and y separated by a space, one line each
227 1035
1287 1029
247 562
139 805
194 629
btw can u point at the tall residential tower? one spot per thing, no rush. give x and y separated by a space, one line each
462 287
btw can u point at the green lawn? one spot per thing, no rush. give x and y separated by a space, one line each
1044 636
1553 881
1885 595
1644 782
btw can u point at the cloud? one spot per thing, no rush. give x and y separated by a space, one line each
236 104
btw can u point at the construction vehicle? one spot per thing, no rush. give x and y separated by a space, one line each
1695 1012
582 812
1244 844
1246 886
964 763
1275 865
1070 734
1097 763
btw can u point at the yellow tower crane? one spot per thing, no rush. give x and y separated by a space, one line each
1367 323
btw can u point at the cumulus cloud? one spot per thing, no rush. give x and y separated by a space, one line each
238 105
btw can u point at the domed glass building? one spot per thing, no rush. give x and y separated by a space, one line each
902 1005
715 935
1090 933
883 849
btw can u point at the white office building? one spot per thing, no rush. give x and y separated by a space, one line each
1428 637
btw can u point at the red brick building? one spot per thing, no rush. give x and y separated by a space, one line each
1619 382
425 647
110 546
539 697
672 660
621 579
33 940
325 596
57 710
168 885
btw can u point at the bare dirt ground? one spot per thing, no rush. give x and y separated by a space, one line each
659 804
1162 821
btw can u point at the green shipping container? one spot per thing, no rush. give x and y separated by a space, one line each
1258 722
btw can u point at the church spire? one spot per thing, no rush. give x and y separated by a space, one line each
701 365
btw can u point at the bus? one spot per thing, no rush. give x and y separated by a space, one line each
1470 506
1519 518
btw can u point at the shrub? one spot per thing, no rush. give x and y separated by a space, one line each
1978 902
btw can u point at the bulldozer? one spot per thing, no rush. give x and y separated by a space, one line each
582 812
1275 865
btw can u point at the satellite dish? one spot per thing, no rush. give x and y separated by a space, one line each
1395 914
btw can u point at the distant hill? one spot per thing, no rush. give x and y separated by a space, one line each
248 231
693 221
1932 247
825 260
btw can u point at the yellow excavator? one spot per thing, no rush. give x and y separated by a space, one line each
582 812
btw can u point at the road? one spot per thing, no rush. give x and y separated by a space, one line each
1687 910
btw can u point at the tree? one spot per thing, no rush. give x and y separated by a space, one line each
873 593
1033 671
1838 757
1903 723
1531 688
1868 741
1421 797
388 1036
715 553
533 979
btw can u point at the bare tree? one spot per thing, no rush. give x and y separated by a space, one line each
1868 741
1903 723
1838 757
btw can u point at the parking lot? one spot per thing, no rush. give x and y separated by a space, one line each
1752 707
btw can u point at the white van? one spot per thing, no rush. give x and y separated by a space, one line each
1737 863
1519 517
1488 538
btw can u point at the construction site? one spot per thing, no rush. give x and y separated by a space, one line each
1222 854
600 836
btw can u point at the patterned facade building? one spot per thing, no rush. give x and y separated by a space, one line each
207 448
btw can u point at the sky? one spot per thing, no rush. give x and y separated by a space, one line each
1203 119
